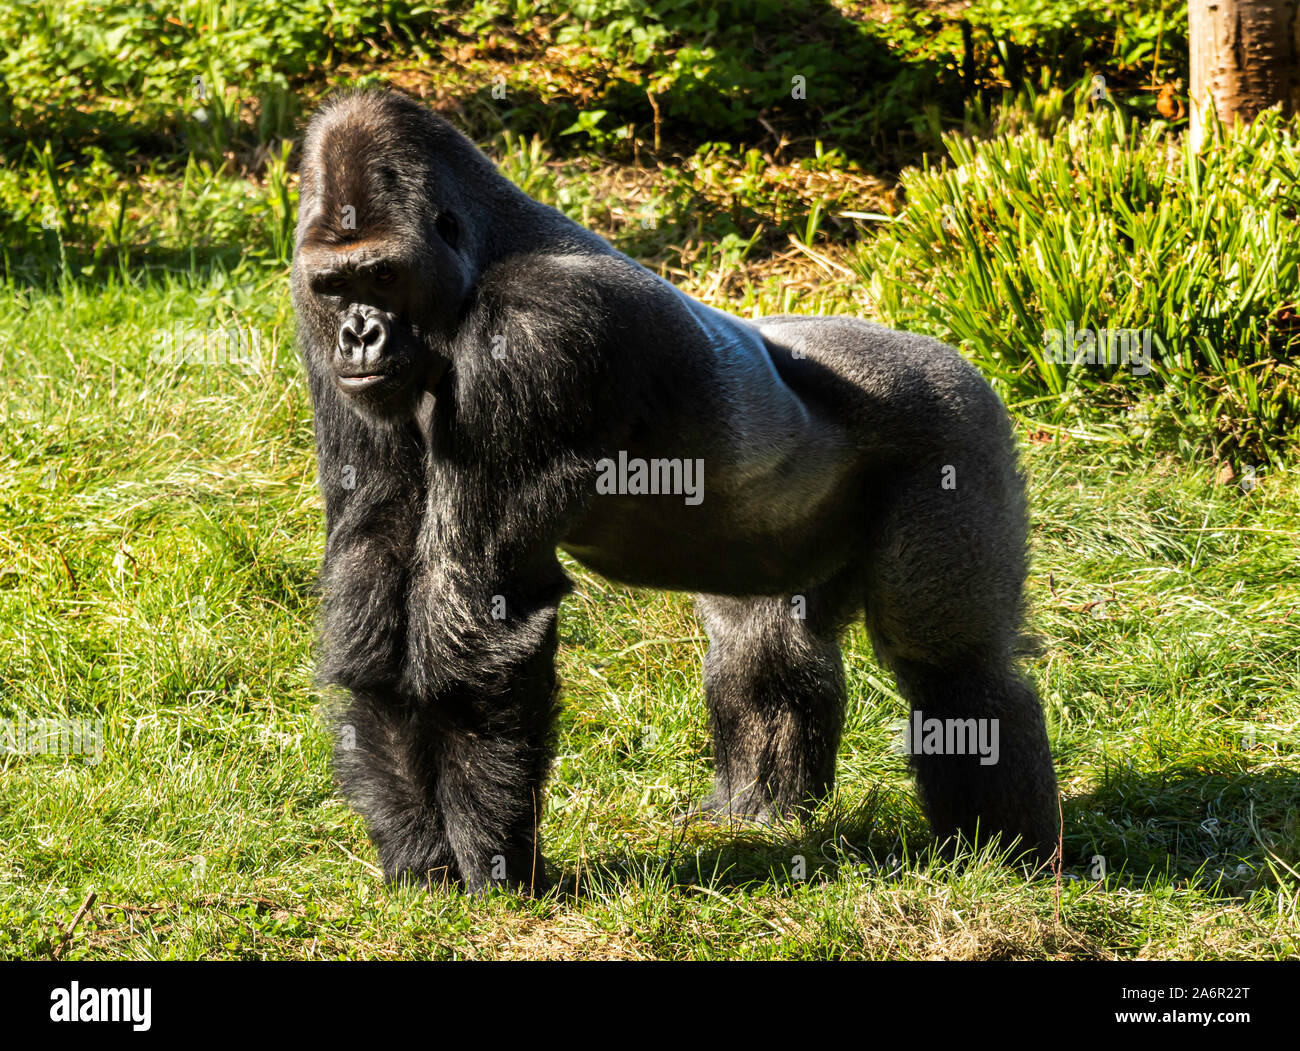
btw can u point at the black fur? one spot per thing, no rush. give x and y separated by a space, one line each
473 356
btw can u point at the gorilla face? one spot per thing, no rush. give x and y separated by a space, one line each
381 339
381 269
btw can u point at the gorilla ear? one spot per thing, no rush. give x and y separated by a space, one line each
448 228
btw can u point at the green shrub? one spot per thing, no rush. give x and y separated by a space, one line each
1103 224
122 74
878 79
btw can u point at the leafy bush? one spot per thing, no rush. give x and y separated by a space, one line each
1103 224
871 75
122 75
107 72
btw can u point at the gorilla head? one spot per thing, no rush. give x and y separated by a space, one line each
381 210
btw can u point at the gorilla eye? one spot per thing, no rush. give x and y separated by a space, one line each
334 282
448 229
385 274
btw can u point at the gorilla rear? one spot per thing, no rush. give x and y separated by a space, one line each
492 382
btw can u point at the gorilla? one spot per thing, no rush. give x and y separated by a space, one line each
492 382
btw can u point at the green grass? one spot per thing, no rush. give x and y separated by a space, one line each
160 531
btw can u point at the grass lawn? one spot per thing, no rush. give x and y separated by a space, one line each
160 531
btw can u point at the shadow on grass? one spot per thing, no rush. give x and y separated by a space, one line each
1187 823
839 841
1225 833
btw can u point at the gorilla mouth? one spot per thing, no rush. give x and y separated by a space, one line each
391 373
363 382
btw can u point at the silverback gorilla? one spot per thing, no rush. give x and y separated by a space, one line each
492 382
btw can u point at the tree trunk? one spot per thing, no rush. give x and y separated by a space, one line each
1245 58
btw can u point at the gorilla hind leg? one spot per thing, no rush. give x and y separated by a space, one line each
1011 790
775 687
943 608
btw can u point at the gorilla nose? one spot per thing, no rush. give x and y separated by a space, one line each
361 342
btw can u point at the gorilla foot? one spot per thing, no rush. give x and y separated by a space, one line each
442 878
1032 857
525 878
745 809
1028 825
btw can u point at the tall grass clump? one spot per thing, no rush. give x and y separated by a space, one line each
1105 224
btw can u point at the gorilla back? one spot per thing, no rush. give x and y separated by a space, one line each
491 382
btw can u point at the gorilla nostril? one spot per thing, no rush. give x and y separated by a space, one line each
372 337
351 338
